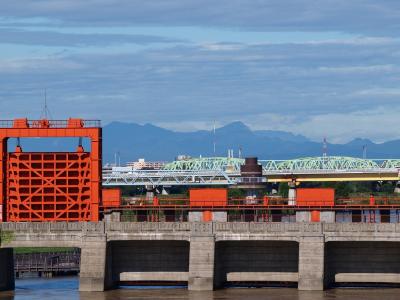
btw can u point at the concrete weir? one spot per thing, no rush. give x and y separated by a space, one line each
208 255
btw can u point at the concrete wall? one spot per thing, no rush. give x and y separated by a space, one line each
95 264
201 264
108 249
367 262
217 216
327 216
303 216
311 263
163 260
6 270
256 261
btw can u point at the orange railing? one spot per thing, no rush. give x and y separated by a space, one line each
272 203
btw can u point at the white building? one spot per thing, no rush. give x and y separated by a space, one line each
142 164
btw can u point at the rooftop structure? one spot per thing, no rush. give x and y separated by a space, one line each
141 164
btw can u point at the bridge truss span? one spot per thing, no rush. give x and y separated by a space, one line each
128 176
226 171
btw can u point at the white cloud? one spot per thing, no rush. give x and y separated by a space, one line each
221 46
39 65
286 87
360 69
380 124
378 92
362 16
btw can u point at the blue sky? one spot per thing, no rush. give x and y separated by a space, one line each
315 67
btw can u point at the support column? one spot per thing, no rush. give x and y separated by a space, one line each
397 188
201 263
311 263
115 216
292 193
7 281
95 272
303 217
328 216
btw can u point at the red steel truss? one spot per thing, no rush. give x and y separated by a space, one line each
48 186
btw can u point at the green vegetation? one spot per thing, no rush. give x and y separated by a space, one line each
41 250
128 216
283 190
236 193
6 237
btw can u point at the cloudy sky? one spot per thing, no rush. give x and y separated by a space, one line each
316 67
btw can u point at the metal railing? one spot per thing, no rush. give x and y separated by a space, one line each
50 123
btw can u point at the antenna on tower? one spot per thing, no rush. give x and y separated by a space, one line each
45 112
325 148
214 141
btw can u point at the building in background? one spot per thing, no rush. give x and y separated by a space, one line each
141 164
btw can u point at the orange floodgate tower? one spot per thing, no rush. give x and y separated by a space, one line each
50 186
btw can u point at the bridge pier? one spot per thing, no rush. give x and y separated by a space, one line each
292 194
312 254
201 263
95 269
311 263
7 282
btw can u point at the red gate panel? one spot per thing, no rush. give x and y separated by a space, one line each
48 187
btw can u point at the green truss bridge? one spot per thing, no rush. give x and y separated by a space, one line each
324 168
226 171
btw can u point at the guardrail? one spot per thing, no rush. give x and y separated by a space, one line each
203 227
50 123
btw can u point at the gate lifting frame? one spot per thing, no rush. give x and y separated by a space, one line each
17 170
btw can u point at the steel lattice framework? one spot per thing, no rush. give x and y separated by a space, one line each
337 163
391 163
128 176
50 186
206 163
226 171
324 163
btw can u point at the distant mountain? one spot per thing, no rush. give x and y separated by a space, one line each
282 135
132 141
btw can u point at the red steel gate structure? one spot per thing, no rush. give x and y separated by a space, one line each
50 186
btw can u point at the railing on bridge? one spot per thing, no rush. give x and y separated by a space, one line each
44 123
49 262
226 171
335 163
130 176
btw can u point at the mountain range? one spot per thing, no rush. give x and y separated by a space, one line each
130 141
147 141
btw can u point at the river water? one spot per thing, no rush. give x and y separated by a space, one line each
67 289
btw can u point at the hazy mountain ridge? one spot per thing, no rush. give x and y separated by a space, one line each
155 143
132 141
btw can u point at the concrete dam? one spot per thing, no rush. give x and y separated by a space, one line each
208 255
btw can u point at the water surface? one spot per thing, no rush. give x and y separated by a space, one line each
67 288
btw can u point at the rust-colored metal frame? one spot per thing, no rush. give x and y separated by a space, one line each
23 128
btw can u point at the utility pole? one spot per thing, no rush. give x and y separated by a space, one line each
364 151
46 112
214 141
325 148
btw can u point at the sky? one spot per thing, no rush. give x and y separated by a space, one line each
321 68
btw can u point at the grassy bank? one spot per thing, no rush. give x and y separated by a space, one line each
41 250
